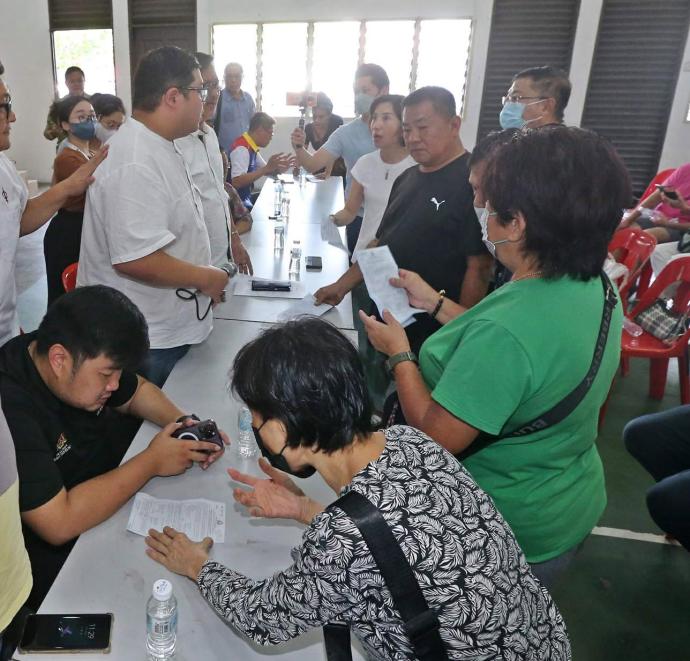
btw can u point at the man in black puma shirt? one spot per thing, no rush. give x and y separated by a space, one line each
430 224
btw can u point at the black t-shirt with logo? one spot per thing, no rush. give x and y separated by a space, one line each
56 445
431 228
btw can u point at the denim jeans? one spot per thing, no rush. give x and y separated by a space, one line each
160 362
352 233
661 443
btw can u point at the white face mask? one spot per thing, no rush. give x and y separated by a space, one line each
483 215
103 134
490 245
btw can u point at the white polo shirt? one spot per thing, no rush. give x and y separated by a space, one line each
144 200
13 198
201 151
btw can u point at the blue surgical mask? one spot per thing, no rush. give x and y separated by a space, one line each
363 103
83 130
511 115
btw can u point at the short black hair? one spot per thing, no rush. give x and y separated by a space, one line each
396 100
2 69
307 375
570 185
204 59
74 69
95 320
261 119
488 144
158 71
107 104
377 74
551 82
440 98
62 108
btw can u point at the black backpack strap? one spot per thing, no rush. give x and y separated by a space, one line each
337 640
573 399
421 622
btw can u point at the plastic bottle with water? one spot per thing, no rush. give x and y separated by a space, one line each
161 622
295 259
278 192
246 443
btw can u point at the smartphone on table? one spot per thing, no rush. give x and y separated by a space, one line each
67 633
314 263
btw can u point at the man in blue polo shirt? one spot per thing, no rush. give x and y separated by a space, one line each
351 140
235 108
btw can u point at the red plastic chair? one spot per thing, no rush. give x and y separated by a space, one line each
647 346
69 276
646 274
633 248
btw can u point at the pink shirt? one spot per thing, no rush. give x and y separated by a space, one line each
680 181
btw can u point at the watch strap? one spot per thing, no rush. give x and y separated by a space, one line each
401 357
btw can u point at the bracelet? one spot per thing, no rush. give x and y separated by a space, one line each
441 296
234 233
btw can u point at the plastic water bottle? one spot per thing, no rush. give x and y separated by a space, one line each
302 177
277 197
246 443
161 622
295 258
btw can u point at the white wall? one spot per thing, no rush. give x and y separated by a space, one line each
121 47
26 54
210 12
676 149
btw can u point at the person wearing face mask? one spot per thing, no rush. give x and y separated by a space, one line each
74 81
374 174
63 236
477 164
110 115
503 383
537 97
311 411
351 141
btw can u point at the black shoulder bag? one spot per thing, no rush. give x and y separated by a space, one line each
573 399
420 621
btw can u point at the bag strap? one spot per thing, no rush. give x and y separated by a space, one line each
573 399
421 622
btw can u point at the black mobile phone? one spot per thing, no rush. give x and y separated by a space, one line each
670 194
271 285
314 263
67 633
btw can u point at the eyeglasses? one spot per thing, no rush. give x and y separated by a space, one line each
202 91
88 118
517 98
7 104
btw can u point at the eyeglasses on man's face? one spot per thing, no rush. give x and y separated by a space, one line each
201 91
519 98
6 104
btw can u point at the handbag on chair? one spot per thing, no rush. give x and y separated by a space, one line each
661 321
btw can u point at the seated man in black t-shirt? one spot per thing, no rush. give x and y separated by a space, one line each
64 391
430 224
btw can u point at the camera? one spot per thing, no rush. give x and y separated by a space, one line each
206 430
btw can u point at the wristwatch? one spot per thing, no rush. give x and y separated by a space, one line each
400 358
188 416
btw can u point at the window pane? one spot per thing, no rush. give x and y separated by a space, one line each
389 43
92 51
446 66
284 66
336 45
236 43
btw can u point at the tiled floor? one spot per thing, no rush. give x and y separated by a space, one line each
621 598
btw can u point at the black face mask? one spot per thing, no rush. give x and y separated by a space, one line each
278 460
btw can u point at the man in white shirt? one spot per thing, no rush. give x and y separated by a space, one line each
20 215
202 153
144 231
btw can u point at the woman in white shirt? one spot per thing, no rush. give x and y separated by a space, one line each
374 173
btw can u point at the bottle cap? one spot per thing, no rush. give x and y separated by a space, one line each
162 589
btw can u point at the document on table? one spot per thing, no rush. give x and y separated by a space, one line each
306 306
197 518
243 287
378 267
331 234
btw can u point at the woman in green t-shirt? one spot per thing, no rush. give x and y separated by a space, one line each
553 201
